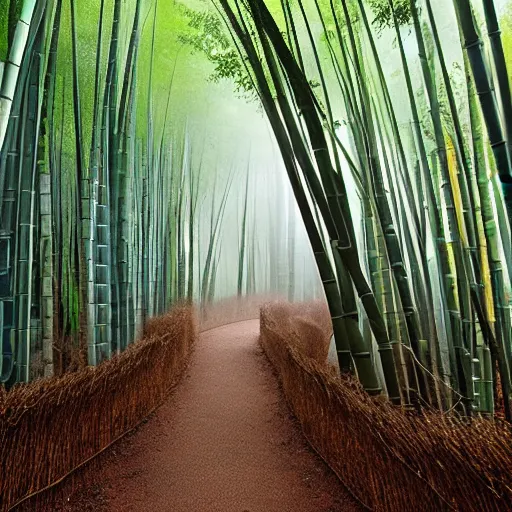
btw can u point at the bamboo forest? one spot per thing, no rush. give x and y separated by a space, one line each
268 239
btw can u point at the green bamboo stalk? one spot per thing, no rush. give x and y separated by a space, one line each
413 204
490 227
127 181
13 64
25 237
58 260
255 257
46 161
180 225
11 161
194 197
124 148
292 231
494 33
210 267
83 219
482 77
150 267
243 237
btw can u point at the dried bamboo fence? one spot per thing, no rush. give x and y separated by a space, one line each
51 427
388 459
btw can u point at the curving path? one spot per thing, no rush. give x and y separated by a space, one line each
224 442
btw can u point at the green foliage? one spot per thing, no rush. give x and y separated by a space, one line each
384 17
506 34
9 14
209 37
4 24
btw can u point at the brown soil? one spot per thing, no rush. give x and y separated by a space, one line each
224 441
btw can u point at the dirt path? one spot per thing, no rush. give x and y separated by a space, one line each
224 442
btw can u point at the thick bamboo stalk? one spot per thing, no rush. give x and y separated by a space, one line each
100 313
487 96
83 214
494 33
46 161
25 239
13 64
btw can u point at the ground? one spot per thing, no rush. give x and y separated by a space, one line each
225 441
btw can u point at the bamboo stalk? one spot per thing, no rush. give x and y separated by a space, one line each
13 64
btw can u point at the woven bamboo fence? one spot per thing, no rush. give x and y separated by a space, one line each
51 427
390 460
